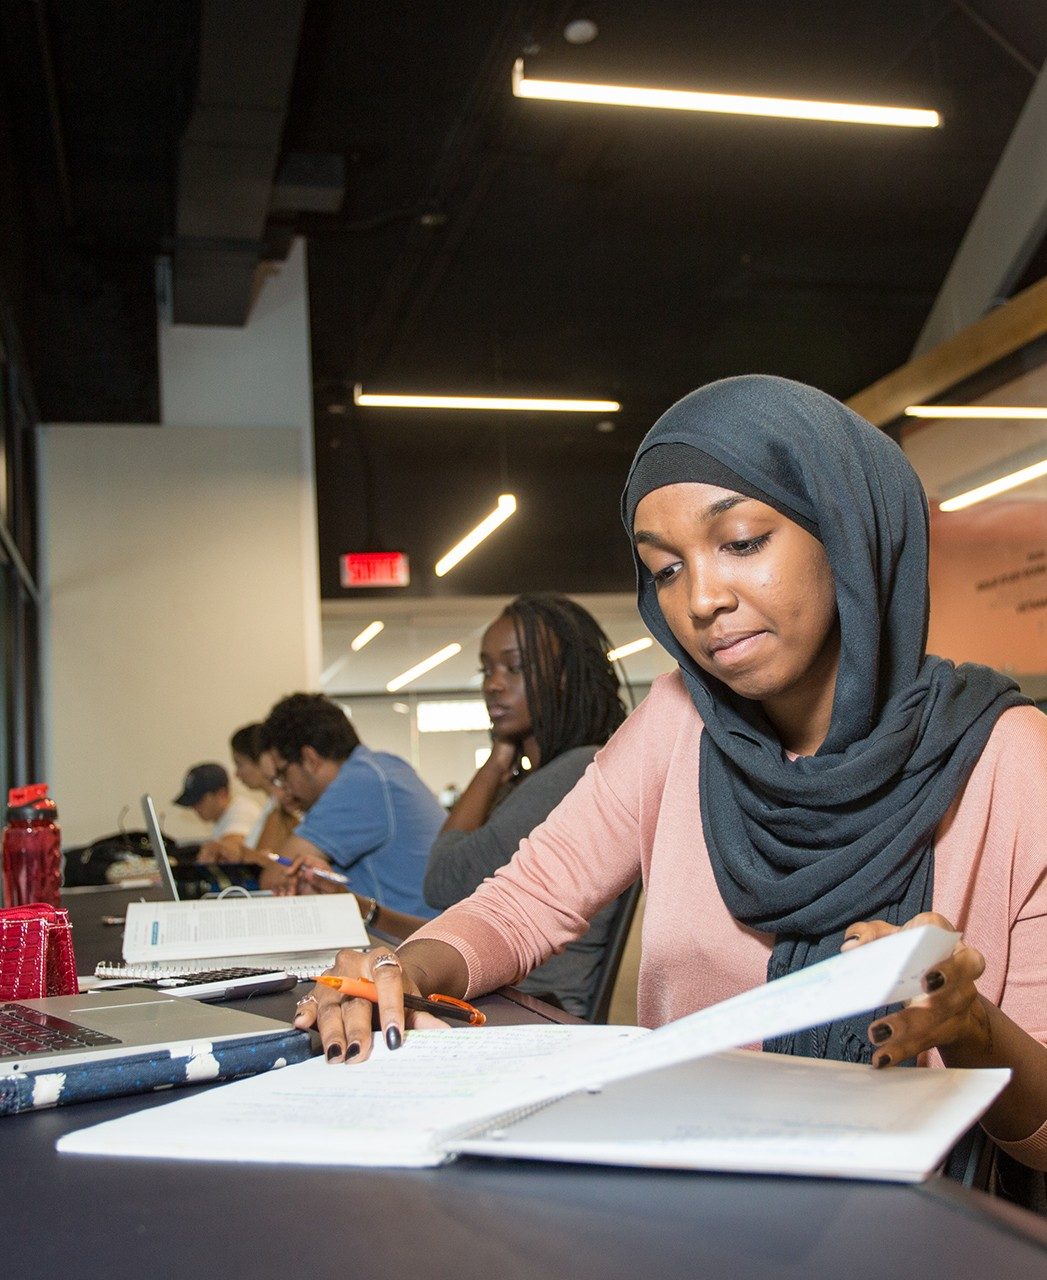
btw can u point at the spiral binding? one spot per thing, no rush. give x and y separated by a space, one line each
488 1127
302 966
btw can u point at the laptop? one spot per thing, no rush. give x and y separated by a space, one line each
61 1031
156 840
163 860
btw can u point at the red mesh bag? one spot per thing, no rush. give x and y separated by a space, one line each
36 953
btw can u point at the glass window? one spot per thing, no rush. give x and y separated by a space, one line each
21 744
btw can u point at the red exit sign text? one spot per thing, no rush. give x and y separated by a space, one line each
375 569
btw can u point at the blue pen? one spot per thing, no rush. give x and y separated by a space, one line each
334 876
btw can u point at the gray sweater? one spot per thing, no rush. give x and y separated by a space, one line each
461 860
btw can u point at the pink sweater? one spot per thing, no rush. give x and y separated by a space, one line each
636 810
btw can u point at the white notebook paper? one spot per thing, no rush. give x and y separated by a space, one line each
758 1113
618 1095
215 928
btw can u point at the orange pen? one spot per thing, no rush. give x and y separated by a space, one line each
441 1006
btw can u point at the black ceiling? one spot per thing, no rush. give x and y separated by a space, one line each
490 244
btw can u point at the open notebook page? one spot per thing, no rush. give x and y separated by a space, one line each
756 1112
386 1111
885 972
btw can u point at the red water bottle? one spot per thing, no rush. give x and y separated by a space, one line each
32 848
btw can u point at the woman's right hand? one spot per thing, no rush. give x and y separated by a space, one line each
345 1023
297 877
504 757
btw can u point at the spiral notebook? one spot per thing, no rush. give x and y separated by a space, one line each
668 1098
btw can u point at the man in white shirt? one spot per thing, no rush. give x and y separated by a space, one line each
206 791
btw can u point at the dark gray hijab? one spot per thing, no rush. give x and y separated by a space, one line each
803 848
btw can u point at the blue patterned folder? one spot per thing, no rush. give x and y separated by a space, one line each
157 1069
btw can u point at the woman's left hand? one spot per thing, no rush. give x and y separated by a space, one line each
950 1012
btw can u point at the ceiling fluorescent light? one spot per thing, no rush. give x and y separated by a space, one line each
531 404
616 95
505 508
460 716
627 650
419 669
1028 466
1016 412
366 636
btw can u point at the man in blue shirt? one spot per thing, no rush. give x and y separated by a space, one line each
367 813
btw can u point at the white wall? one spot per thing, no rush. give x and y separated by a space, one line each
255 376
179 565
175 606
259 375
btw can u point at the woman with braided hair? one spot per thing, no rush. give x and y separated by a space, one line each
553 698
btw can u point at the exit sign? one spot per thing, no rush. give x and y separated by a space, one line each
375 569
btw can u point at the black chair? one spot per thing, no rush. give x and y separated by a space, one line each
976 1161
617 936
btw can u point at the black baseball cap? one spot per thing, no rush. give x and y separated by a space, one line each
200 781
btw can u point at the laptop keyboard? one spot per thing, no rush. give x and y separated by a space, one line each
26 1031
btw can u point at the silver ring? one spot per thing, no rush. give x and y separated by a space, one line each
384 961
305 1000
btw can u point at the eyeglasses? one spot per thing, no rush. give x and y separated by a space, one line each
279 778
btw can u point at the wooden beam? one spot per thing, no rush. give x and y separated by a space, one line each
1004 233
1003 331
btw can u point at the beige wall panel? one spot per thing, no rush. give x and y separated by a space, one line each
178 574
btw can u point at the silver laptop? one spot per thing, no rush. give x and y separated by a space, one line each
156 839
163 861
62 1030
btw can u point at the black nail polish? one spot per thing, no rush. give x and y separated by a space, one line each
851 937
334 1051
881 1032
884 1060
393 1038
933 980
353 1050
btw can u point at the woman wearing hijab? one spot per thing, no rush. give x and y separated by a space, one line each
807 780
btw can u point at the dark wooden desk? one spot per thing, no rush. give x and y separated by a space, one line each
76 1217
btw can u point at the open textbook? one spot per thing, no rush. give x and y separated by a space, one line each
669 1098
244 928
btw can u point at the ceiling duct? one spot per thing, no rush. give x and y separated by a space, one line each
229 154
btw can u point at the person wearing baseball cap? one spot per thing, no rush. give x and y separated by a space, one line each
205 790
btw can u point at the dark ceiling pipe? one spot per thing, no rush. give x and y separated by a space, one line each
47 67
228 156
